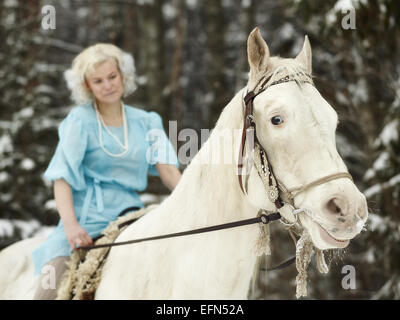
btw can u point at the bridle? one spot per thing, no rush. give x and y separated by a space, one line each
274 187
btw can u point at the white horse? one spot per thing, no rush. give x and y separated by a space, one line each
296 127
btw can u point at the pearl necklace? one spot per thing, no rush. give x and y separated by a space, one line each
101 123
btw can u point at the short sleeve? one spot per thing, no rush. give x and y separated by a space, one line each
160 148
67 160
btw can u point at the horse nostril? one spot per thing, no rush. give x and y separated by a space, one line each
333 206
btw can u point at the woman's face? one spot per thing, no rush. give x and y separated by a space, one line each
106 82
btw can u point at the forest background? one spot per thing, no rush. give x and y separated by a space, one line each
191 59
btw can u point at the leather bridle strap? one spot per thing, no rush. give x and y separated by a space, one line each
262 218
248 122
248 125
293 192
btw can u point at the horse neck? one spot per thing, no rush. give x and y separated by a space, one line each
209 191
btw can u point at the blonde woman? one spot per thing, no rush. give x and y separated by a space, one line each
106 150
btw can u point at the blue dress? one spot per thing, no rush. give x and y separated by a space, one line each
102 185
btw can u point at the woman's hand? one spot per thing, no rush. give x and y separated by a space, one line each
77 236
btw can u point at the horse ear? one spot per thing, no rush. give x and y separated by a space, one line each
305 56
257 52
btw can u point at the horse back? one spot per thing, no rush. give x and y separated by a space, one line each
17 280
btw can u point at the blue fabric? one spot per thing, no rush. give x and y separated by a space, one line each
102 185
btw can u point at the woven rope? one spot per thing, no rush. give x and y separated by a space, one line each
83 274
304 251
263 245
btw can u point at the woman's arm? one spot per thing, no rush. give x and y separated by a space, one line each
76 235
169 174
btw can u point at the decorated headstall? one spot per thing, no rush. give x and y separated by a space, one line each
249 129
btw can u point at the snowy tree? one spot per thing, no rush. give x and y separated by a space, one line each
25 97
358 71
190 59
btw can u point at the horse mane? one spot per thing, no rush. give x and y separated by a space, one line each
196 178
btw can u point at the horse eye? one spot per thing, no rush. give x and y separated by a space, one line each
277 120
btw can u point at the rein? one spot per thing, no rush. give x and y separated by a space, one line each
262 218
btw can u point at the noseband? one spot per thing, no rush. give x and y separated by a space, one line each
273 187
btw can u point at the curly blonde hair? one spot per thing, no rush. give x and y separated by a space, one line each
86 61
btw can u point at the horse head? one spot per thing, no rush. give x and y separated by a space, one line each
296 127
